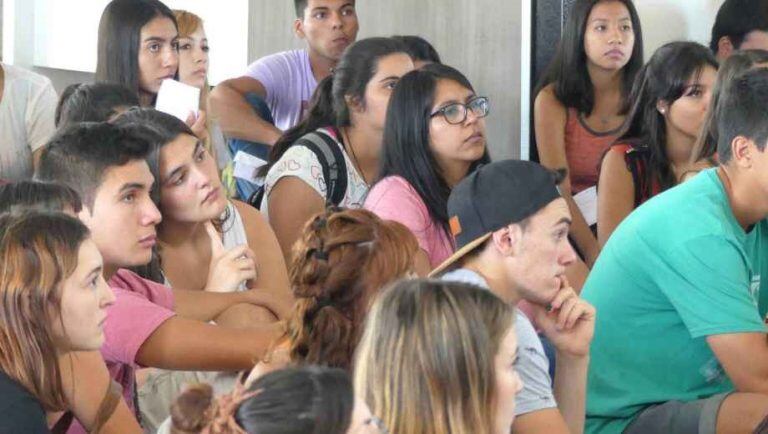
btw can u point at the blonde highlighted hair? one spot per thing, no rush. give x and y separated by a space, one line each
188 23
38 252
425 363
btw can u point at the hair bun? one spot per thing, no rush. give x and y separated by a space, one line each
193 410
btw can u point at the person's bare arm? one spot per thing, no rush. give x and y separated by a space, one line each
571 389
291 204
577 273
236 117
615 195
85 378
208 306
189 345
271 270
569 326
548 421
550 117
744 357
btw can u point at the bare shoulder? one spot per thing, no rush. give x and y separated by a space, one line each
253 219
615 159
547 101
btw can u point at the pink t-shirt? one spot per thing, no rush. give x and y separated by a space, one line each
393 198
140 307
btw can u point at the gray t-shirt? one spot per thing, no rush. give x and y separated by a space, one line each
532 364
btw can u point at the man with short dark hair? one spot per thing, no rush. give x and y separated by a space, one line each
680 343
287 80
740 25
149 325
511 230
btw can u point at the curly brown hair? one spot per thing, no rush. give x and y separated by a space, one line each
343 258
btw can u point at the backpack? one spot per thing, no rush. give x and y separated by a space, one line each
331 158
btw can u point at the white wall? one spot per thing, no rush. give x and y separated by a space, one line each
58 44
670 20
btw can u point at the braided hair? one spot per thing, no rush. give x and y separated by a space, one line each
340 262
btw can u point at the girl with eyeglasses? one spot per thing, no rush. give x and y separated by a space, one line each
433 137
301 400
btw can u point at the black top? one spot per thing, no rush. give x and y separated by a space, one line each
21 412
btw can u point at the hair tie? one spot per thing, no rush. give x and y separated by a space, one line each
323 302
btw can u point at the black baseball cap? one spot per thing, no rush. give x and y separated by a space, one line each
494 196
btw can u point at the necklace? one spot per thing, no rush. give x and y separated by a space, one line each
355 162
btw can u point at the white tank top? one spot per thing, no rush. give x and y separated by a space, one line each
234 234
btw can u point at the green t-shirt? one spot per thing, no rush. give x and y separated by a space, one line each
678 269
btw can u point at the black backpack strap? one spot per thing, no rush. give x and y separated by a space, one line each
331 158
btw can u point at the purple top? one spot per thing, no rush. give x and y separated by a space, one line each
289 82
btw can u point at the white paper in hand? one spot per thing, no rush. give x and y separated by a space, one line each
178 99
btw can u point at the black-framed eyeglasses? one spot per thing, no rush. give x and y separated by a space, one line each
456 113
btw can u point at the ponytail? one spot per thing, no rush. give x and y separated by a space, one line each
321 114
196 411
328 107
296 400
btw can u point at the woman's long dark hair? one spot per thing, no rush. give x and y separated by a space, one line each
406 152
735 64
328 107
663 78
568 69
159 129
120 38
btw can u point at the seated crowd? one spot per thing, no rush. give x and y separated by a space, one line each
379 273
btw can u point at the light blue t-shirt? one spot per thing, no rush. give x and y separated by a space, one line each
532 362
288 79
678 269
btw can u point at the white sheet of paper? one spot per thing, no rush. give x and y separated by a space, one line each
247 166
178 99
587 202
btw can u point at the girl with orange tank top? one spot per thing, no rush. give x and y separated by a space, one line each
579 107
